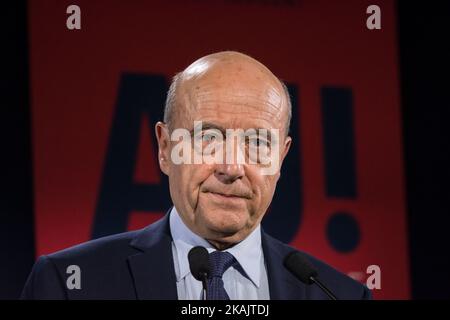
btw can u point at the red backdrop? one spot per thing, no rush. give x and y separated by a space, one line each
75 77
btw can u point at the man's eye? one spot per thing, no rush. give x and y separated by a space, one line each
258 142
254 142
208 137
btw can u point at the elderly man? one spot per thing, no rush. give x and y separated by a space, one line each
222 143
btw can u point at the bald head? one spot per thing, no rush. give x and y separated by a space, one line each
215 76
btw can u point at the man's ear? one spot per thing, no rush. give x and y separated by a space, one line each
285 149
162 135
287 146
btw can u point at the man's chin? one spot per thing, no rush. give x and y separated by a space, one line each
224 240
224 231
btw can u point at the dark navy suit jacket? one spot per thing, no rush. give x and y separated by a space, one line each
139 265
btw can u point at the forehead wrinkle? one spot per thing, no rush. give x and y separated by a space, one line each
211 106
266 121
191 106
245 98
271 97
255 101
233 124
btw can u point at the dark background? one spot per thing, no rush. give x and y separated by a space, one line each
423 69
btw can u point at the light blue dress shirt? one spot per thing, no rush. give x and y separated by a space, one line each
248 253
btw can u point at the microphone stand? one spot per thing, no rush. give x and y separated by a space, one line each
205 285
323 288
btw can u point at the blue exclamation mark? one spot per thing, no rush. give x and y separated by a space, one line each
340 171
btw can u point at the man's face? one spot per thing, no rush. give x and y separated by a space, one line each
224 202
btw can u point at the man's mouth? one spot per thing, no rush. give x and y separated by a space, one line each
226 198
227 195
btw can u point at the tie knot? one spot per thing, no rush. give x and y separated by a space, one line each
220 262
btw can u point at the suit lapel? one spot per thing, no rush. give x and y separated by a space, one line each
282 284
152 269
154 274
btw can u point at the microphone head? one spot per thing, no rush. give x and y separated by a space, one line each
199 262
299 265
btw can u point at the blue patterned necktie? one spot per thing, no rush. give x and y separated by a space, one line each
220 262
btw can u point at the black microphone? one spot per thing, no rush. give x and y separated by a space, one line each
200 266
302 269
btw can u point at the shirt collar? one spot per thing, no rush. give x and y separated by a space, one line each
248 252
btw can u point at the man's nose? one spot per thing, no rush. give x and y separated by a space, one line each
232 168
228 173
